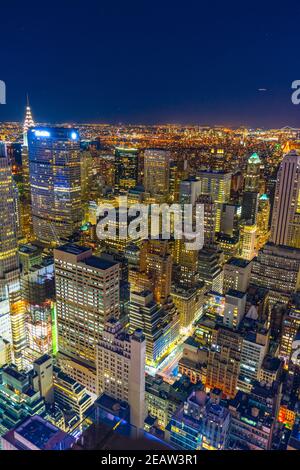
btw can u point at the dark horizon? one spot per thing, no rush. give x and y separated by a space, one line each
158 64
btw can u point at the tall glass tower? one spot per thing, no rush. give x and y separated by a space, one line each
12 319
54 170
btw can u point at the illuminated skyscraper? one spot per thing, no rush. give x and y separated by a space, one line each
210 219
8 231
126 168
160 325
178 172
156 171
121 368
156 262
290 326
10 299
38 296
189 303
187 261
87 294
224 357
217 184
285 227
28 122
248 240
252 176
263 216
277 268
54 166
25 199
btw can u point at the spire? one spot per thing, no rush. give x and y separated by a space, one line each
28 122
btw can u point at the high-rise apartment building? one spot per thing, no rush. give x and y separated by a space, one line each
285 227
121 368
54 168
87 294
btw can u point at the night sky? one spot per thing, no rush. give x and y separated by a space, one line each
151 62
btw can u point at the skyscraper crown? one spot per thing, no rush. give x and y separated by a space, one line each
28 122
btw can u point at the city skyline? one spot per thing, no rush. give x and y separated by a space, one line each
149 272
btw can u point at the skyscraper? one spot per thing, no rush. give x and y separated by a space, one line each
252 176
10 298
28 122
277 268
223 365
121 368
247 240
160 325
25 198
156 262
285 227
126 167
156 171
217 184
250 206
8 231
263 216
87 294
54 166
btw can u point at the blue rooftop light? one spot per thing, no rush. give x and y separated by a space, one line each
40 133
74 135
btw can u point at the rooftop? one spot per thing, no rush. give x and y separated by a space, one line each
73 249
239 262
235 293
99 263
